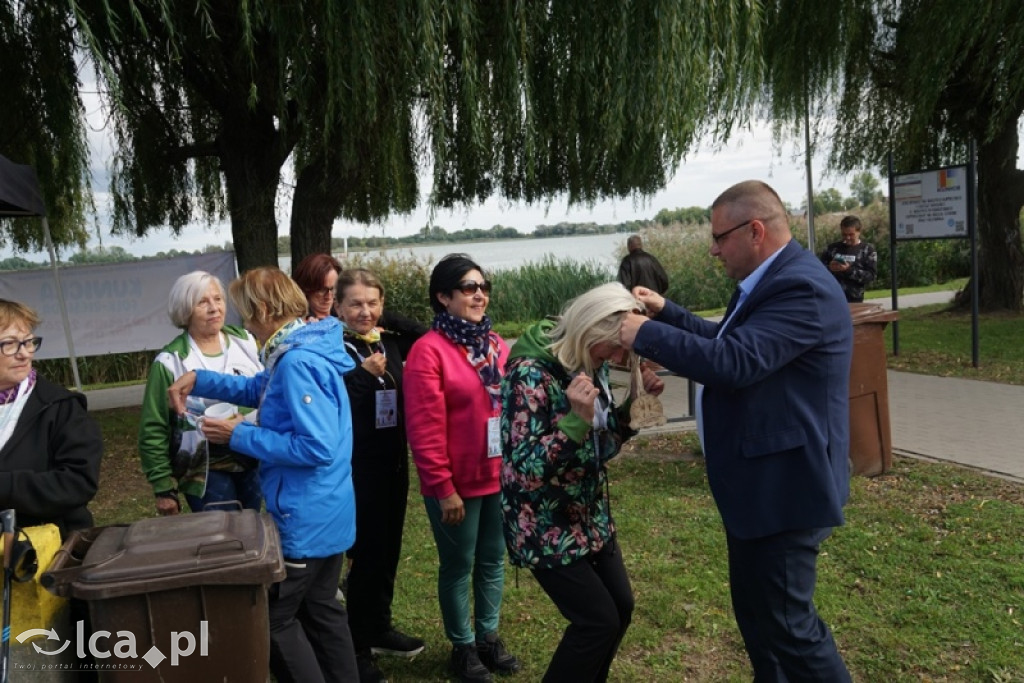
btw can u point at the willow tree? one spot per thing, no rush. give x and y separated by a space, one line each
525 100
41 120
921 78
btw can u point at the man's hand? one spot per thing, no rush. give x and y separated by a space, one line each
838 266
653 301
628 328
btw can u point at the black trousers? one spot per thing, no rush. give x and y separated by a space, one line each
309 637
772 582
381 499
594 594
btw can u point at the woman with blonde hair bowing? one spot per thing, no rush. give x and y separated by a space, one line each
559 428
452 386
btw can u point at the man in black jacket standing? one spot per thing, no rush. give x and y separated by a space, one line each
641 269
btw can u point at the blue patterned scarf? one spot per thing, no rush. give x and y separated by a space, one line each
480 345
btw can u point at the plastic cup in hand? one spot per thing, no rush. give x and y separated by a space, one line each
218 411
221 411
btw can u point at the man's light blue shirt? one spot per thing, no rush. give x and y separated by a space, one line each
746 286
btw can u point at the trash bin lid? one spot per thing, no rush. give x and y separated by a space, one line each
871 313
217 547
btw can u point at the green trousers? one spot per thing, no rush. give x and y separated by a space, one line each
475 548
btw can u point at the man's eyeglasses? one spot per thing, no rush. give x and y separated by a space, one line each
470 287
717 239
11 347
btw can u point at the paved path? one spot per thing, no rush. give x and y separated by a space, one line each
971 423
978 424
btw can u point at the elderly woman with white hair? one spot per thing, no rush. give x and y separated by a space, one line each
174 452
559 428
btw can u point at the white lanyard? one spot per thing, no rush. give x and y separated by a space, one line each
362 359
11 413
602 404
202 356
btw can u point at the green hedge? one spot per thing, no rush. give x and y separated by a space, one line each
697 280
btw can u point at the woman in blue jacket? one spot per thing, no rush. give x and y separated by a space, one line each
303 441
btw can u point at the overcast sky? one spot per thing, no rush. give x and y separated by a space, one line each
700 178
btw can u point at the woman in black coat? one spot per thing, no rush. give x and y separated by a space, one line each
380 465
50 448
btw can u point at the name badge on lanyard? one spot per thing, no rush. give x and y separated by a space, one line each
387 408
493 437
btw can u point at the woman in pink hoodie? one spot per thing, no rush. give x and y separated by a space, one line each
452 406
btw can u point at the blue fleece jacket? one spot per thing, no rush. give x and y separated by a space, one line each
303 440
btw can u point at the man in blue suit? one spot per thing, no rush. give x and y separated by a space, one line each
774 423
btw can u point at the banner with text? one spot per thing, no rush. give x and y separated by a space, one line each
112 308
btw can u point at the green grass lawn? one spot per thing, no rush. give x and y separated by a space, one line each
924 583
936 340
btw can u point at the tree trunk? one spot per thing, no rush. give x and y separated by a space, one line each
1000 198
318 199
251 163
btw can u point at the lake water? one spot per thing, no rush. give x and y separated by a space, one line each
603 250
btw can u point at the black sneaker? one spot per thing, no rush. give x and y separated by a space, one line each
465 665
394 643
368 671
495 657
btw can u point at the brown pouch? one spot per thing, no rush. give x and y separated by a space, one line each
645 410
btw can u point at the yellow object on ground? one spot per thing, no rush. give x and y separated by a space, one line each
32 606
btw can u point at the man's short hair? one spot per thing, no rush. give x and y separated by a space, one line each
850 222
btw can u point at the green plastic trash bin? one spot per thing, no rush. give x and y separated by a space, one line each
180 598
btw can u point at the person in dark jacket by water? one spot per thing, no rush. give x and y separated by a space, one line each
641 269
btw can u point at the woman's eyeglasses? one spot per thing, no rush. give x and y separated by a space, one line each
11 347
470 287
326 292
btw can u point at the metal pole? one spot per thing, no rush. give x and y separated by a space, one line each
63 306
810 182
972 227
892 255
691 398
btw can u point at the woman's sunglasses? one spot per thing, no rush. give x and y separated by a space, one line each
469 287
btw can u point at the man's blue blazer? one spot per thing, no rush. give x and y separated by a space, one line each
776 396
